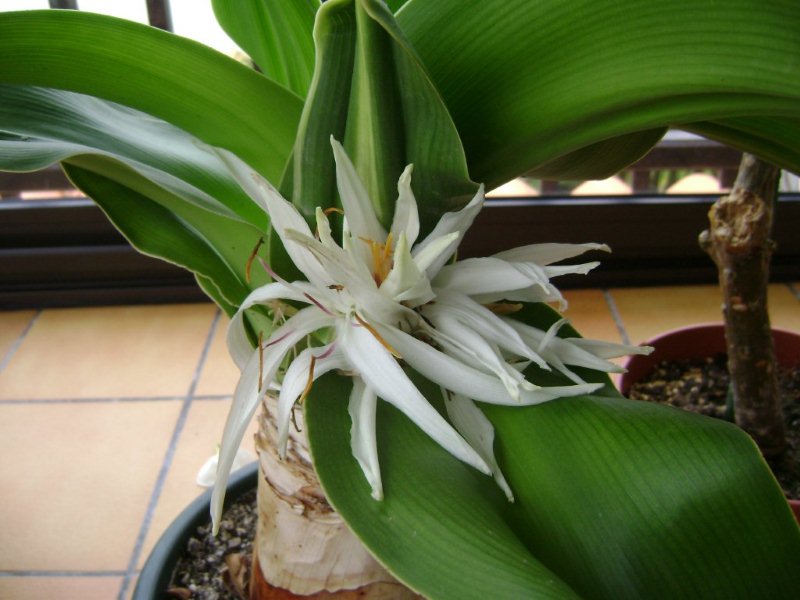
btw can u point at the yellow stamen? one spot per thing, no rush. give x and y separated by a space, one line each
310 381
503 308
377 336
333 209
250 260
260 359
381 258
294 422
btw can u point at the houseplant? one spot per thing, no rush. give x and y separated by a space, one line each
468 92
740 244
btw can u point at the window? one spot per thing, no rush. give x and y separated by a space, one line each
56 247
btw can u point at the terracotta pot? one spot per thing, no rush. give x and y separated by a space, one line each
701 341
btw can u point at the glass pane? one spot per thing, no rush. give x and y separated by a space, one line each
196 20
9 5
681 164
133 10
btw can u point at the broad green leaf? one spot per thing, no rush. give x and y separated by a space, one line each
773 138
529 82
205 93
613 499
440 529
276 35
52 125
159 223
371 90
395 5
311 182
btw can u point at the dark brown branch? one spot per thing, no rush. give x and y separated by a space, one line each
738 240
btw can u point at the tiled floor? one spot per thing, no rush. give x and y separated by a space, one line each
106 414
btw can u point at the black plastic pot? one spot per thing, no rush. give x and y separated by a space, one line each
157 571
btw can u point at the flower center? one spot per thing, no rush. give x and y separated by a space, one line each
382 258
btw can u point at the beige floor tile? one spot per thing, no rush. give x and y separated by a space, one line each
198 441
646 312
76 479
139 351
61 588
12 324
220 374
784 308
589 313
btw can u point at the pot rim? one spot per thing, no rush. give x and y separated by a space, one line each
705 340
157 570
697 341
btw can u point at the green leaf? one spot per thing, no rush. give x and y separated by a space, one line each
276 35
158 223
371 90
436 510
199 90
773 138
52 125
613 499
529 82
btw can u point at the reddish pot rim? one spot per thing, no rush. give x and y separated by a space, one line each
699 341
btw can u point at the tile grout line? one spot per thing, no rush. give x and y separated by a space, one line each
18 342
167 462
66 574
110 400
615 314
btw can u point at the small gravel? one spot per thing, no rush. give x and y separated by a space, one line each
218 567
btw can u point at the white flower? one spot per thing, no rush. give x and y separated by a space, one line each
208 472
380 297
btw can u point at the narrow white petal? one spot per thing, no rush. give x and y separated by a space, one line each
462 379
545 254
282 213
247 177
479 276
324 229
471 423
550 334
239 345
579 269
285 218
381 372
564 351
406 216
357 282
405 283
484 322
208 472
429 254
609 349
245 402
253 384
482 352
295 381
361 218
363 407
452 222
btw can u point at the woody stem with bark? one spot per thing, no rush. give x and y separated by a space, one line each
738 240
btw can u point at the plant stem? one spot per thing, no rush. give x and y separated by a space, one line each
738 240
303 548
